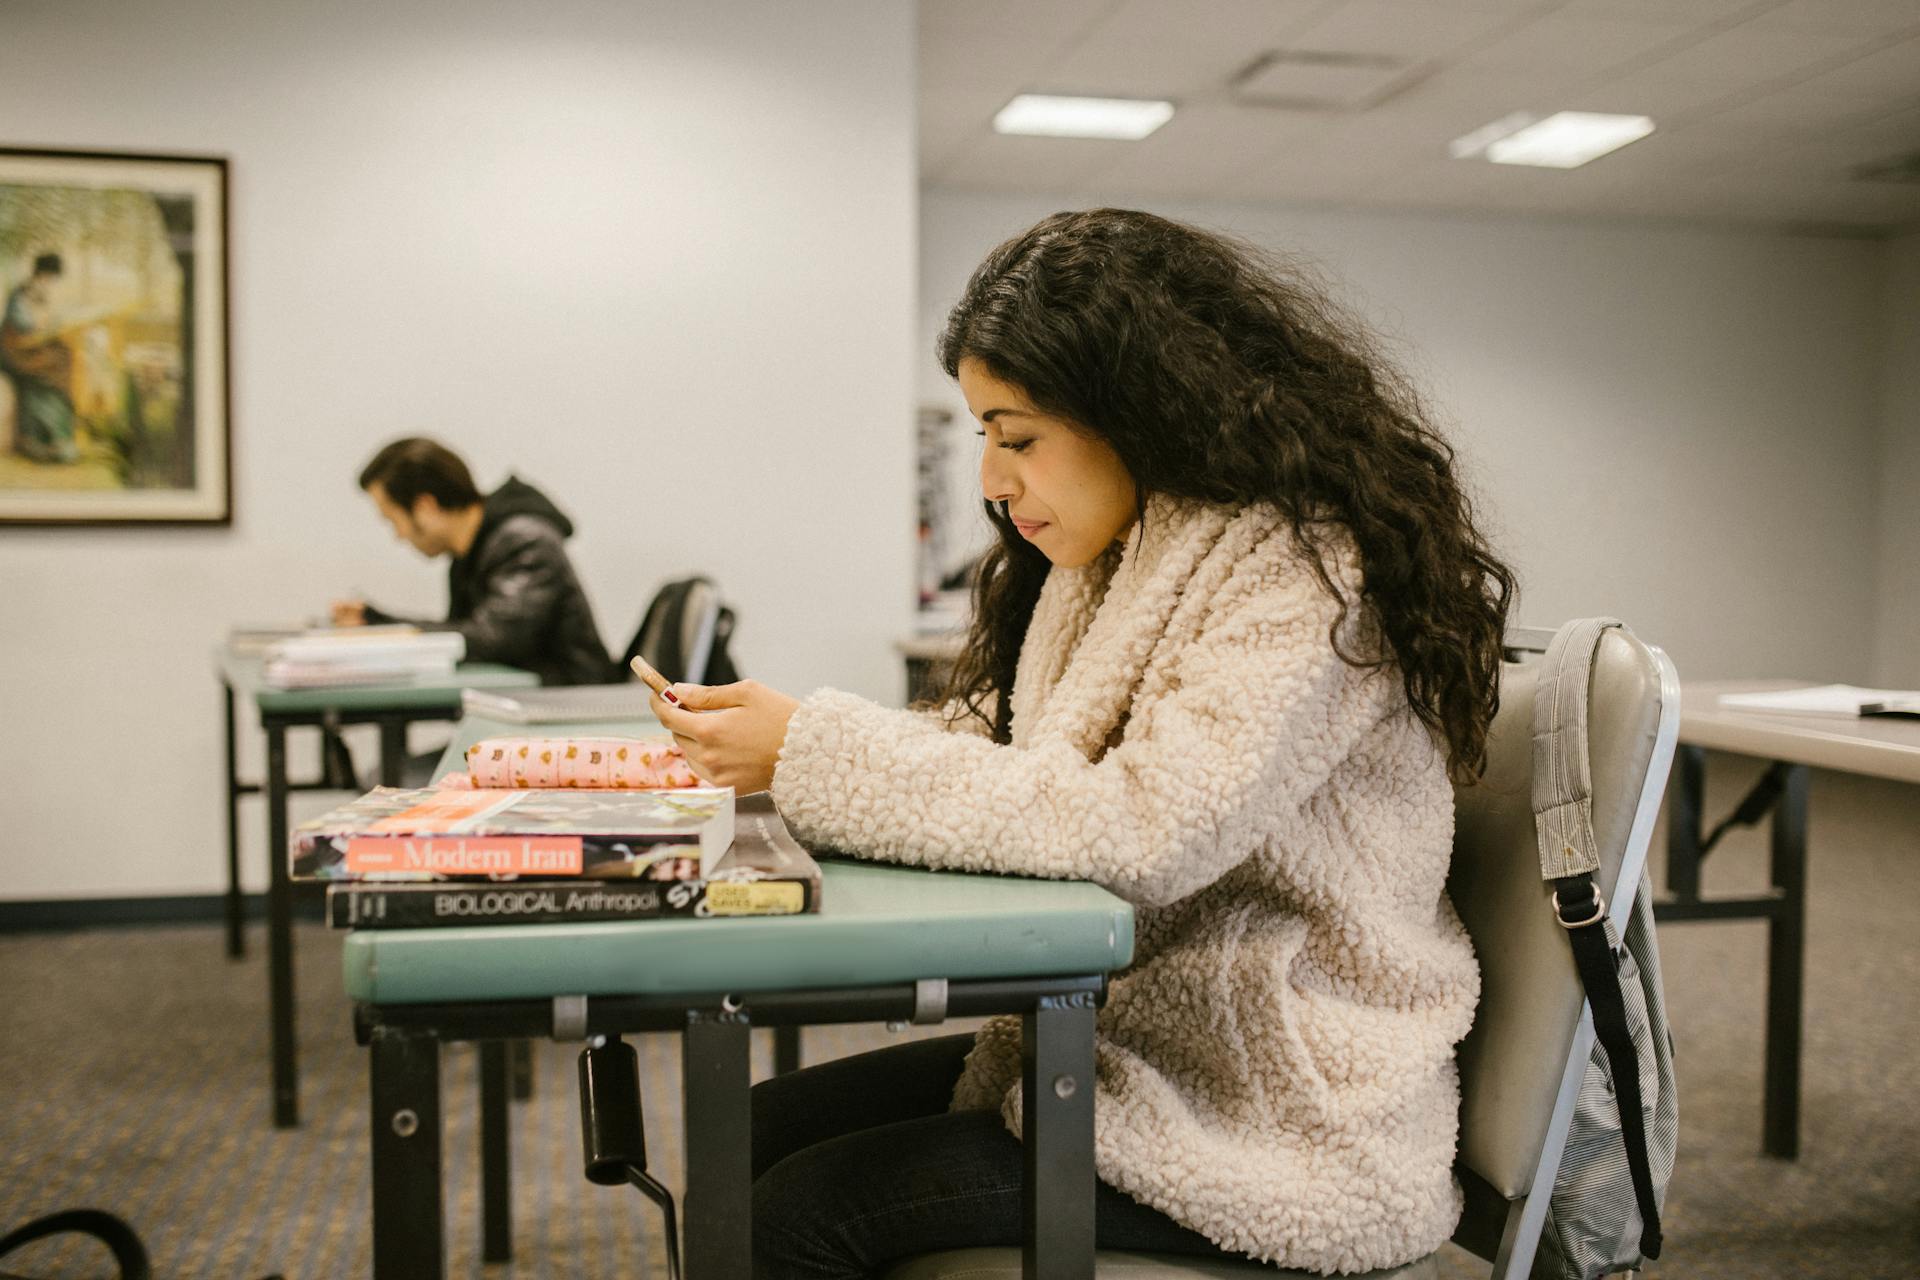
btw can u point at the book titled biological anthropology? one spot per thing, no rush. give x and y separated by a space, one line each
392 834
766 872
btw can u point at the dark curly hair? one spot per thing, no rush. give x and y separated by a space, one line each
1219 373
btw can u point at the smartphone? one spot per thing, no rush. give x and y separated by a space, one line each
654 680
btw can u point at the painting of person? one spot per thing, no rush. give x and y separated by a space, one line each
39 365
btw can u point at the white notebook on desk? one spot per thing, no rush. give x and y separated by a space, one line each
1828 700
566 704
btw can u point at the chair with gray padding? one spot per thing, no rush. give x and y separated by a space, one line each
1522 1064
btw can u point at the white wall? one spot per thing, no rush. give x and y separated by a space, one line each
655 257
1896 636
1674 426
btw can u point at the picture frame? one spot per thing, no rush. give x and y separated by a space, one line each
115 372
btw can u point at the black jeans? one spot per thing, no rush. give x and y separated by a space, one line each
858 1163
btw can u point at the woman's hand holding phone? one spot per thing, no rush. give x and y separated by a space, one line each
731 733
661 686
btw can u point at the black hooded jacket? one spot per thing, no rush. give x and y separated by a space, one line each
515 597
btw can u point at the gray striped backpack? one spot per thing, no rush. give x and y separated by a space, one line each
1604 1215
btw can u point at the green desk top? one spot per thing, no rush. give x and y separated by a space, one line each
877 924
242 675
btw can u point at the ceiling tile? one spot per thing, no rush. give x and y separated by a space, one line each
1797 111
972 60
1891 71
1413 29
1895 131
1311 81
1847 17
1747 56
1013 21
1461 97
1575 44
1695 11
1763 108
1668 101
1280 184
1202 146
1176 48
1839 153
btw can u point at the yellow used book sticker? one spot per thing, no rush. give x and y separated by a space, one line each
755 898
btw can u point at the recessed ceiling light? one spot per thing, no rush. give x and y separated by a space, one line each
1469 145
1563 141
1050 116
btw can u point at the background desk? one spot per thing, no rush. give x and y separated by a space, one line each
1879 748
393 707
890 943
929 657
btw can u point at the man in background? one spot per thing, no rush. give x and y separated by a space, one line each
511 591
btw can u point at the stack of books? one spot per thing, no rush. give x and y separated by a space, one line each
419 859
362 655
253 639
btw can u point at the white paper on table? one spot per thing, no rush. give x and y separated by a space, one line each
1823 700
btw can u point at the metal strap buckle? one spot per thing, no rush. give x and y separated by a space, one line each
929 1001
1599 912
569 1017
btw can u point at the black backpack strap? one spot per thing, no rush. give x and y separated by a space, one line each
128 1252
1582 912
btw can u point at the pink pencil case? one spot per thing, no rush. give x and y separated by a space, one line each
600 763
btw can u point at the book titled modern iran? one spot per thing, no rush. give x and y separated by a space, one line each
451 834
765 873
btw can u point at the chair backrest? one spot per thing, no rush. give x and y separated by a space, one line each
1522 1064
677 632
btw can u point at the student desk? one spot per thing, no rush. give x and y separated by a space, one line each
930 658
393 707
890 944
1874 747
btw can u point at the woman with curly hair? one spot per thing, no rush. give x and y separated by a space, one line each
1238 637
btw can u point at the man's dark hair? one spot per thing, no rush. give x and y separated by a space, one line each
408 468
48 264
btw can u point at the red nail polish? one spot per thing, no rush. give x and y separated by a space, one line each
668 695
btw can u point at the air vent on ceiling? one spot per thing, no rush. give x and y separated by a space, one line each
1898 169
1318 80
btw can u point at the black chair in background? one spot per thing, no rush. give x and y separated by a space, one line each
684 635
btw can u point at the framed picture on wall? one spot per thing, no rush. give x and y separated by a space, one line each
113 339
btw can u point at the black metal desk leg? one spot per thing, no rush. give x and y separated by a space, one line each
1056 1123
286 1081
496 1210
236 931
1786 968
393 751
786 1050
1686 787
719 1201
521 1061
409 1226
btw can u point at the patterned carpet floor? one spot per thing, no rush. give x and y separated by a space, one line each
133 1077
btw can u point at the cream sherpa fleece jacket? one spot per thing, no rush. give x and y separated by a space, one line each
1276 1067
